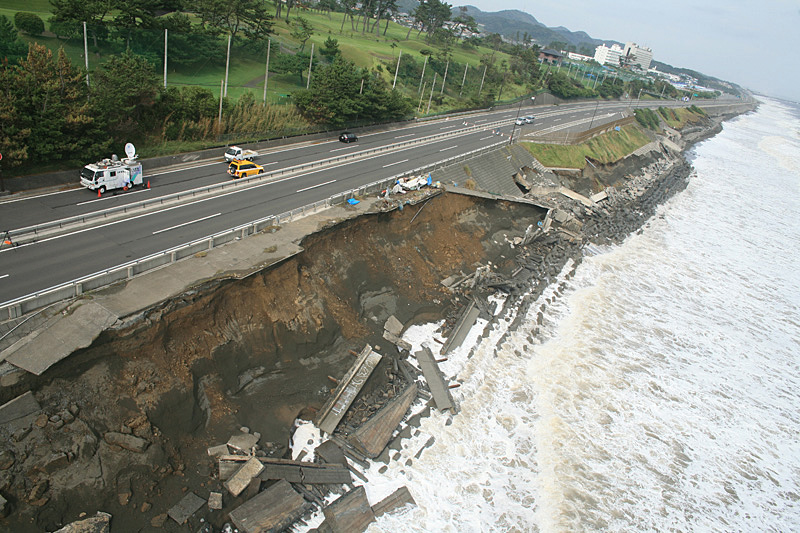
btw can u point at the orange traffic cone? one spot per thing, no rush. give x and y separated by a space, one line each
99 194
148 184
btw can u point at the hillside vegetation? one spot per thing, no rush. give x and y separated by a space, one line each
364 69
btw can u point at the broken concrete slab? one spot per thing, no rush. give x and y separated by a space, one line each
63 335
462 327
100 523
350 513
330 452
313 474
395 500
190 504
215 501
599 197
436 382
397 341
273 509
334 409
371 437
244 442
23 405
241 479
216 451
129 442
393 326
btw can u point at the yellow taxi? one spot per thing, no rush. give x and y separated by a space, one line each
243 169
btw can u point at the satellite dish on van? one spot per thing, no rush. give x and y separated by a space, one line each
130 150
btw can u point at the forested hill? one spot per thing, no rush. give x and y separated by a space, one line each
511 22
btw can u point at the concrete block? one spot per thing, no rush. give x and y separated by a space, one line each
243 441
241 479
393 326
215 501
185 508
216 451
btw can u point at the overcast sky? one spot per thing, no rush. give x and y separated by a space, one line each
755 44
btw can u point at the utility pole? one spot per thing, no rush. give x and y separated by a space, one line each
361 90
444 79
86 54
266 71
482 78
423 75
593 114
227 64
221 90
397 69
431 96
311 59
165 58
463 80
637 98
421 96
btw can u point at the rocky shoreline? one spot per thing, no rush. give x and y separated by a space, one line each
132 434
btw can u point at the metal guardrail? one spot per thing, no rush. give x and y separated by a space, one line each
72 289
28 234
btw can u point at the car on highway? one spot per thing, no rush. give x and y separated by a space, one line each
347 137
529 119
242 169
520 121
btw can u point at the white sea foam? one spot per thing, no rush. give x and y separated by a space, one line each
662 389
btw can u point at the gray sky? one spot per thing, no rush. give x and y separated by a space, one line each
754 44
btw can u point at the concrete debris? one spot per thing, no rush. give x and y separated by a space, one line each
350 513
243 442
397 341
22 405
100 523
215 501
273 509
393 326
216 451
190 504
395 500
242 477
128 442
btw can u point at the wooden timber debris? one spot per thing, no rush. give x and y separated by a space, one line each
334 409
310 474
350 513
372 436
274 509
435 379
397 499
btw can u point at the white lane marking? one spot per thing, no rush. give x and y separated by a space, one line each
268 164
448 148
4 276
315 186
391 164
556 120
449 127
187 223
340 149
481 120
484 138
109 197
404 136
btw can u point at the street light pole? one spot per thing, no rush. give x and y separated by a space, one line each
593 114
511 139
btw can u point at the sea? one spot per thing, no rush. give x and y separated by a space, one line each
659 390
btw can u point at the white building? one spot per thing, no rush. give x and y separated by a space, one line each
635 55
608 56
578 57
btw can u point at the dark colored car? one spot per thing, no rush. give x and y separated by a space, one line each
348 137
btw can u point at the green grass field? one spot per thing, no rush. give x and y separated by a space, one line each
246 72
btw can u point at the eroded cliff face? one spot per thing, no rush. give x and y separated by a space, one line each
252 353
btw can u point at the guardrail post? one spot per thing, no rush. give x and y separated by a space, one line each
172 257
78 289
130 272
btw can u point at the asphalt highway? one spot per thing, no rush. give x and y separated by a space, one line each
98 246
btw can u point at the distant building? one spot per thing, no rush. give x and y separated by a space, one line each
608 56
636 56
578 57
551 56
